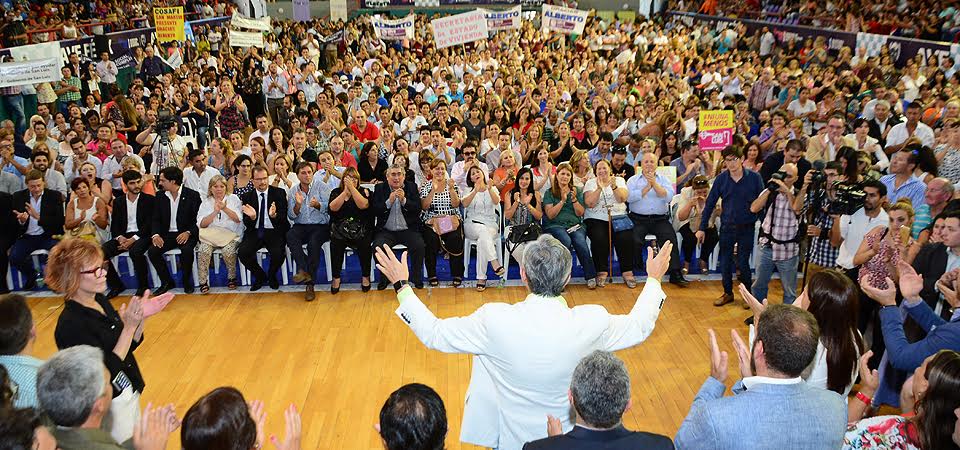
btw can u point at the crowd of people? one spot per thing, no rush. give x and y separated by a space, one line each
529 145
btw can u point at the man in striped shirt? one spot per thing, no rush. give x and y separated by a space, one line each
901 182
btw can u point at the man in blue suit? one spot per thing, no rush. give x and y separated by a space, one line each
774 409
600 394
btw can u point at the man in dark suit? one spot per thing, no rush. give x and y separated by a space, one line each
396 206
174 226
130 228
7 222
265 219
931 264
39 215
599 393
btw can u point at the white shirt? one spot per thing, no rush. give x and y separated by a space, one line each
132 214
899 134
33 225
606 199
222 220
459 176
174 207
412 127
267 223
112 165
750 382
199 182
107 71
256 133
70 172
852 230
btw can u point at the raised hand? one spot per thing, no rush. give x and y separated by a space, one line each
294 431
657 266
718 359
884 297
910 282
153 429
554 426
869 379
395 270
743 354
249 211
757 306
259 417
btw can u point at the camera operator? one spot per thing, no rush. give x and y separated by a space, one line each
822 255
168 149
779 234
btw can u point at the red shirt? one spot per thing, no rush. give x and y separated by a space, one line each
370 133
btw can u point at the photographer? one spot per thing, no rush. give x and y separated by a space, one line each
792 154
779 234
168 149
822 255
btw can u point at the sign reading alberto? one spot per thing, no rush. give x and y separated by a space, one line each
716 129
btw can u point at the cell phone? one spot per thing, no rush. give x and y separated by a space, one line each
904 234
573 229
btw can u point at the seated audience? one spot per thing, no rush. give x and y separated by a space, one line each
600 394
86 214
522 212
220 226
40 217
563 207
265 226
310 220
350 227
693 199
398 220
482 224
649 196
607 222
130 226
174 227
442 225
22 429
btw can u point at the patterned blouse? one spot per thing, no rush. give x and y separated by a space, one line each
441 205
950 165
882 432
240 190
877 267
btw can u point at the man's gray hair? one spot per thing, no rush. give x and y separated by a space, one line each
947 185
600 389
69 383
547 264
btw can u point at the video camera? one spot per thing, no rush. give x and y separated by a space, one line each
165 120
771 185
849 199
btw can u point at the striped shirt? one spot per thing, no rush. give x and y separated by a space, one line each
780 223
22 371
914 189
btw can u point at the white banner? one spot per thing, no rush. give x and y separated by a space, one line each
338 10
30 72
36 52
563 20
507 19
261 24
393 30
459 29
245 39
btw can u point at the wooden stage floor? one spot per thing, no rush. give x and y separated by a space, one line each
339 357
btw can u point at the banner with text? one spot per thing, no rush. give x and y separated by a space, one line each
507 19
716 129
246 39
563 20
301 10
261 24
29 72
459 29
169 21
393 30
406 4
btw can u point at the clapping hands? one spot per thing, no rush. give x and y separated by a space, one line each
719 359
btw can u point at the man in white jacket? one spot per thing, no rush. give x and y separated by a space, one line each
525 353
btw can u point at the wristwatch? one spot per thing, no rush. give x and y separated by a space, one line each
399 285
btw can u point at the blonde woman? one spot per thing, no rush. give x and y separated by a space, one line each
580 165
282 176
221 155
220 226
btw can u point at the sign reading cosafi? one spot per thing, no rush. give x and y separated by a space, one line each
503 20
393 30
563 20
459 29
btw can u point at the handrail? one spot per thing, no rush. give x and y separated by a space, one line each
88 26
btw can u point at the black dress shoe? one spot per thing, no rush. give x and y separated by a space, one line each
334 290
274 283
162 289
679 280
188 289
256 285
29 285
382 284
113 293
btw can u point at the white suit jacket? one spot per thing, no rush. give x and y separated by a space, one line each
525 356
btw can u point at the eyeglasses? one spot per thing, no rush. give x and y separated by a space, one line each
469 153
97 271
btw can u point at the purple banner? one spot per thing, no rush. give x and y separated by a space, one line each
377 4
301 10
